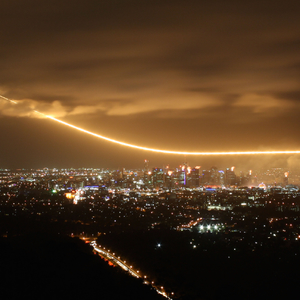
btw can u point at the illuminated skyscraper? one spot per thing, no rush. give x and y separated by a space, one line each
158 177
169 178
146 165
230 177
195 177
221 178
147 174
286 178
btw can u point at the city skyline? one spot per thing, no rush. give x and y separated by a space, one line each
166 75
164 177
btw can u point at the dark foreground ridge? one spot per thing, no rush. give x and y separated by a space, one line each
39 266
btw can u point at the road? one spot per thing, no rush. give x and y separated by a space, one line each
122 264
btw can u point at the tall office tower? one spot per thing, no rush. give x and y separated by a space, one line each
146 165
158 177
195 177
147 174
169 178
182 175
249 177
286 178
214 176
243 179
221 178
206 177
230 177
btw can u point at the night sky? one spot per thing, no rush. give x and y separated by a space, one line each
177 75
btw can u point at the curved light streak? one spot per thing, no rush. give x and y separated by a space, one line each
158 150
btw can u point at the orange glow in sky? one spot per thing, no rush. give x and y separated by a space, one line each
168 151
159 150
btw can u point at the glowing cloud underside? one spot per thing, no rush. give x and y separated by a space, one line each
157 150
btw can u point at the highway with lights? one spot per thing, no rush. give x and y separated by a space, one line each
107 254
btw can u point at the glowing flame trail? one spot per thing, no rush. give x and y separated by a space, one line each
157 150
12 101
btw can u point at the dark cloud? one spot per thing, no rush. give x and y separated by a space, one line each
290 95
